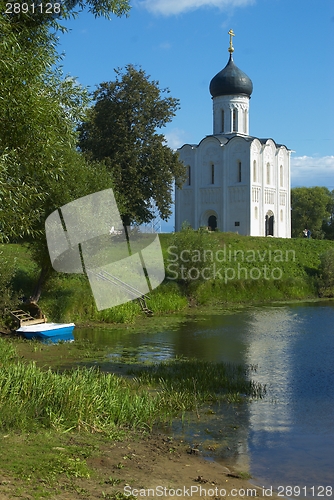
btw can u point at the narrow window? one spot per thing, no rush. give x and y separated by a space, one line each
189 175
254 171
237 223
256 212
212 174
235 120
268 173
239 171
245 121
223 121
281 175
281 215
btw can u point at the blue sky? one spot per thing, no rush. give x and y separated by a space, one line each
284 46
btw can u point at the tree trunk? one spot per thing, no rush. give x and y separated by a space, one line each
35 296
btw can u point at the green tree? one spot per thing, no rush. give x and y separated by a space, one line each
326 274
39 114
328 225
40 167
121 129
309 209
39 111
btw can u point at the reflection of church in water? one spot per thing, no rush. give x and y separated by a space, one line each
235 182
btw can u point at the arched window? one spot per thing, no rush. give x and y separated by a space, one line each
239 171
268 173
235 120
223 121
281 180
245 121
281 215
189 175
254 171
212 173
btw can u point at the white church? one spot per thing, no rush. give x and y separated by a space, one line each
235 182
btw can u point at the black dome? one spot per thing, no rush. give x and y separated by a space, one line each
231 80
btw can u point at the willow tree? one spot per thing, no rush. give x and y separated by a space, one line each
40 167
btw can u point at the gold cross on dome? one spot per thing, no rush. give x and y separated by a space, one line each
231 48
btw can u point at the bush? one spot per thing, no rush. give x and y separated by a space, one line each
189 254
326 274
8 298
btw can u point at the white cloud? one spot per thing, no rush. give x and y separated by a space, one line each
170 7
176 138
311 171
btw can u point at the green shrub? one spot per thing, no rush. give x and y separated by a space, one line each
326 274
189 253
8 297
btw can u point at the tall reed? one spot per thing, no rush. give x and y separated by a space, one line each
85 398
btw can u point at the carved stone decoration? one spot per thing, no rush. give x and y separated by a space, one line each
210 195
237 194
256 194
269 196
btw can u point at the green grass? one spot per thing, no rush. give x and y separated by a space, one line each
186 383
245 270
87 399
52 422
42 464
80 399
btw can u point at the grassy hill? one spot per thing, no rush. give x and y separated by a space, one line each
212 269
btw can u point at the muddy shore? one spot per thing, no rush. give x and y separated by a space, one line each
156 466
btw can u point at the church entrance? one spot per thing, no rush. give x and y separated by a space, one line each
269 224
212 223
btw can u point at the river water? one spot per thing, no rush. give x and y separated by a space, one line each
285 439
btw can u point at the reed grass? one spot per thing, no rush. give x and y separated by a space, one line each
80 399
167 298
185 383
87 399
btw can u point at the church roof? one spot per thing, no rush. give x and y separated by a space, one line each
230 81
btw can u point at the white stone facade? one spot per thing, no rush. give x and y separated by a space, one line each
235 182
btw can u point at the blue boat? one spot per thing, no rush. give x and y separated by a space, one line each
50 332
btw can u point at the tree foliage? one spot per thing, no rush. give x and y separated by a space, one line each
310 208
326 271
40 167
39 111
328 224
121 129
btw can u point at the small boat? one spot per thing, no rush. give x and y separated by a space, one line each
52 332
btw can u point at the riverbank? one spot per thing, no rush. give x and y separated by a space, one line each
86 466
88 433
203 270
66 462
67 455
